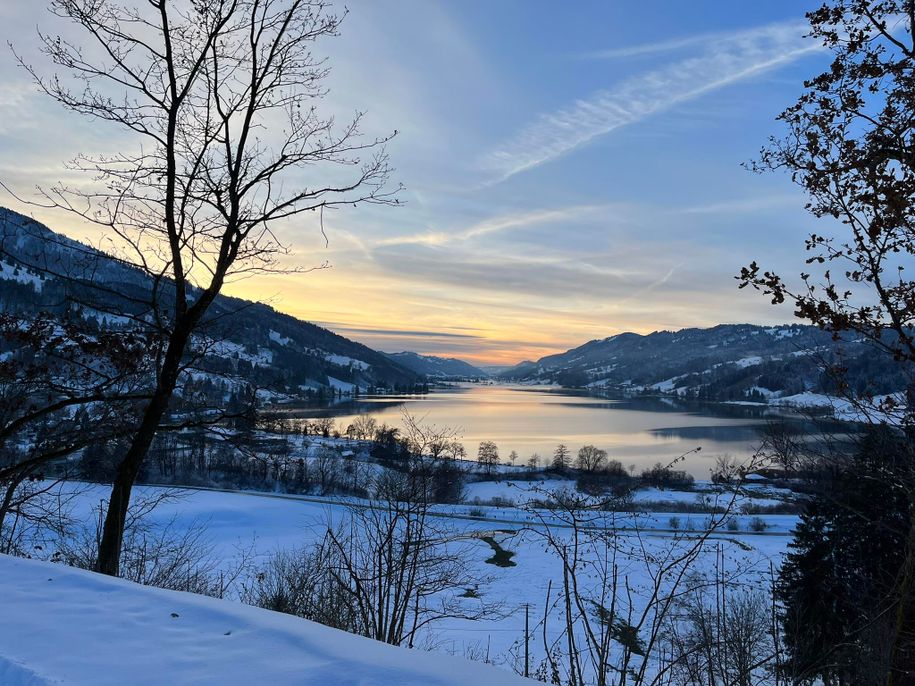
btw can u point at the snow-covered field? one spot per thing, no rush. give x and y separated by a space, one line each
61 625
267 648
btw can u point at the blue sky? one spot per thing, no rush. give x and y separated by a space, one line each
572 170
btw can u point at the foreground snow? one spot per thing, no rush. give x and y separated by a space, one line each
61 625
262 523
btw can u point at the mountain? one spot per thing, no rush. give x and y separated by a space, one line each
437 367
726 362
496 369
42 271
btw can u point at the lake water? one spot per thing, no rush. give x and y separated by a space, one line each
636 431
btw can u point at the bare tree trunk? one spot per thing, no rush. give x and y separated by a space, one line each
8 496
109 553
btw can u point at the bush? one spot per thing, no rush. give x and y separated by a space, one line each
302 583
610 476
757 524
660 476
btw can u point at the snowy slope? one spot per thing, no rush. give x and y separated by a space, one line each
729 362
60 625
273 350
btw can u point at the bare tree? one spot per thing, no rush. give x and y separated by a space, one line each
782 446
362 428
488 456
387 570
590 458
323 426
300 583
425 439
223 96
722 633
611 628
167 554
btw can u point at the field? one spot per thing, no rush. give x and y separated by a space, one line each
509 552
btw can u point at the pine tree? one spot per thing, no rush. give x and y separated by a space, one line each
562 458
848 551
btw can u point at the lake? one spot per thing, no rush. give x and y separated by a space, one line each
636 431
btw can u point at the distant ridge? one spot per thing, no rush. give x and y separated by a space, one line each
735 362
437 367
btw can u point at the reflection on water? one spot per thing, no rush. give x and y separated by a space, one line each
639 431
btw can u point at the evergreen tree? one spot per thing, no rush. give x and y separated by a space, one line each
838 612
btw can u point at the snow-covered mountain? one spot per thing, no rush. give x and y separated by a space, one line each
726 362
42 271
437 367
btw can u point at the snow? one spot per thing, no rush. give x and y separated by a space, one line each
664 496
751 361
8 273
67 626
783 332
277 337
668 385
807 399
339 385
344 361
515 491
231 349
265 395
841 408
235 521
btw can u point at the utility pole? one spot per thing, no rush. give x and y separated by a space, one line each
527 612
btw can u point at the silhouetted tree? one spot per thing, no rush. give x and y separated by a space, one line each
836 586
849 144
488 455
222 95
562 458
590 458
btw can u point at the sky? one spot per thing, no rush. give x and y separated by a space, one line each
571 170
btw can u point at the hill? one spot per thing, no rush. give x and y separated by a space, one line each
725 362
43 271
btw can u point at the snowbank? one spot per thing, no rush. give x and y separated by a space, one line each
60 625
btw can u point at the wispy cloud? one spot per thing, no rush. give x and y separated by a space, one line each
496 225
643 49
726 60
746 205
400 333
